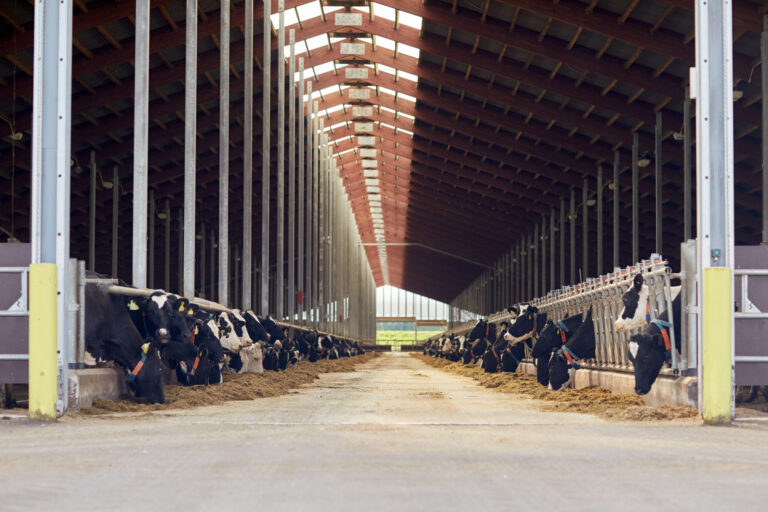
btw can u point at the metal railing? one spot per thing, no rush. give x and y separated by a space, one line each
604 295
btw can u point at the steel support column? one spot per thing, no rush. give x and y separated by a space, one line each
616 196
190 151
248 159
659 188
151 237
92 216
140 144
563 280
280 239
635 200
167 247
599 203
300 253
265 153
687 228
572 217
291 293
115 216
224 155
585 230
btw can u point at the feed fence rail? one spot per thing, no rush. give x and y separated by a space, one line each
604 295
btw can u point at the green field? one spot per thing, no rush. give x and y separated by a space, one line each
402 337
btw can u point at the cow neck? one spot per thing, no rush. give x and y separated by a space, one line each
582 343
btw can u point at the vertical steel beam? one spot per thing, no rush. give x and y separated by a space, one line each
535 256
563 280
50 209
301 200
572 217
180 256
714 191
315 219
115 216
203 268
764 104
616 196
190 151
140 144
599 199
224 155
265 154
291 292
308 227
687 232
247 261
212 265
151 236
236 283
280 241
552 229
635 200
92 216
659 168
167 248
585 230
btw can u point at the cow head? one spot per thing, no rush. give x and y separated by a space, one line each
273 329
559 371
179 311
633 315
238 323
145 376
478 331
155 311
255 328
647 353
227 335
549 338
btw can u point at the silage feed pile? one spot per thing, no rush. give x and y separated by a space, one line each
596 400
241 386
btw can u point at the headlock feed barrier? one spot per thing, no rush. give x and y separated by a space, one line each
604 295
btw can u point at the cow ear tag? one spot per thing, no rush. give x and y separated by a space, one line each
196 330
145 348
181 307
190 312
133 306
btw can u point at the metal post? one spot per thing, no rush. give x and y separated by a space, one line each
280 240
212 266
50 211
115 215
563 280
266 111
599 199
635 201
315 221
308 235
544 238
167 248
535 256
140 144
530 275
202 262
151 236
92 216
190 151
552 282
659 167
764 104
224 156
714 194
572 217
585 230
236 284
301 199
247 261
180 256
291 175
687 232
616 194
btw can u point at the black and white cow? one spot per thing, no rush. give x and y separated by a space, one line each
651 348
551 337
477 341
529 322
580 346
110 335
491 359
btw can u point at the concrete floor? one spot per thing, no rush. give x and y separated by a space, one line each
396 435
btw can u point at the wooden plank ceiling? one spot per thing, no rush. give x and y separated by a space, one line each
516 102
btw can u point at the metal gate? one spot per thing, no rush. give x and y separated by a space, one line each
14 313
751 316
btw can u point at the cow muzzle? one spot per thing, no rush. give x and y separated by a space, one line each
162 335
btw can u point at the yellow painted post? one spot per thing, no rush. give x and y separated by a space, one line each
42 341
717 362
